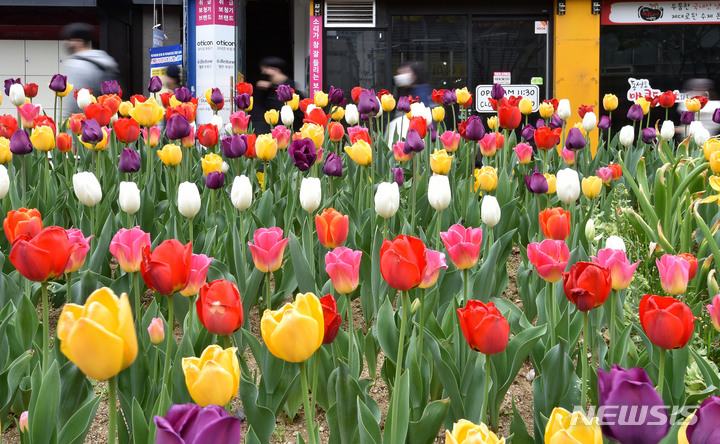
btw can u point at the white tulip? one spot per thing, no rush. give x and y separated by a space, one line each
217 121
129 197
387 199
84 98
228 129
490 211
615 242
310 194
439 193
564 110
418 109
567 185
701 135
589 121
4 181
188 199
87 188
667 130
352 117
17 94
225 167
114 118
380 110
287 116
241 194
590 230
627 135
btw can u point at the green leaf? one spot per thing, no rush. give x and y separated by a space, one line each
518 429
425 430
368 427
398 416
78 425
140 428
44 407
261 418
26 322
99 262
305 278
15 372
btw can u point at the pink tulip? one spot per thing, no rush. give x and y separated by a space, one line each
550 258
463 245
127 247
156 330
199 264
621 270
605 174
674 274
154 138
268 250
399 154
27 113
239 121
343 266
77 258
524 153
434 261
714 310
282 135
568 156
450 140
491 143
23 422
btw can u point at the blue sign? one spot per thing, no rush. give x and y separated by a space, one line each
163 56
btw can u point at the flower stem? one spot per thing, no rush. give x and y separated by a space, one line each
414 192
24 185
170 337
661 375
351 333
584 361
268 296
422 319
550 308
68 292
309 408
46 328
466 296
399 360
486 388
611 326
112 405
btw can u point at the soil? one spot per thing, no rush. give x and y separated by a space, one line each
287 429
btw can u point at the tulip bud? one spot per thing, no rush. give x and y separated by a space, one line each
564 110
241 194
129 197
188 199
310 194
701 135
387 199
712 283
17 94
225 167
439 193
615 243
568 186
156 330
667 130
627 135
4 181
23 423
414 306
525 106
351 114
87 188
590 230
84 98
589 121
490 211
287 116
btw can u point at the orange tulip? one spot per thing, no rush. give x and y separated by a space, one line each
332 228
555 223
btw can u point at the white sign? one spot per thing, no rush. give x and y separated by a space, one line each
658 13
641 88
501 77
482 94
541 26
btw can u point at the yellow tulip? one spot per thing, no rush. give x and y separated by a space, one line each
338 113
260 177
174 102
294 103
644 104
466 432
525 106
125 108
438 113
68 89
692 105
592 186
211 162
552 183
682 432
715 162
321 99
564 427
214 377
147 113
440 162
314 132
43 138
100 146
492 123
266 147
271 117
5 153
360 152
252 102
546 110
582 130
294 332
462 95
610 102
99 337
710 147
715 183
387 102
486 178
171 155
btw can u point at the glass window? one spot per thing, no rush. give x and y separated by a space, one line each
355 58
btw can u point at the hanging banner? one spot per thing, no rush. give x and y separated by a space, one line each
164 56
315 54
660 13
214 53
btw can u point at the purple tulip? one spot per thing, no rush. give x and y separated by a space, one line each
242 101
91 131
177 127
110 87
622 392
129 161
497 92
284 93
190 423
20 143
575 140
555 122
716 115
604 122
648 135
234 146
10 82
58 83
433 134
215 180
413 142
635 113
686 117
403 104
303 153
540 123
183 94
336 96
155 84
216 96
474 128
399 176
449 97
705 429
536 182
367 103
528 132
333 165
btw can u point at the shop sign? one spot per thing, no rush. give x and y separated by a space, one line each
315 54
541 26
641 88
482 94
164 56
660 13
501 77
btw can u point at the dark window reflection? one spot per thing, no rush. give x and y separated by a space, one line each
355 58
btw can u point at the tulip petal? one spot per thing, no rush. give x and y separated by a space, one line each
285 337
97 352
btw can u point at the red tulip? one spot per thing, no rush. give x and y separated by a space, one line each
419 124
31 89
485 329
126 129
112 101
101 113
250 152
584 109
64 142
336 131
437 96
22 222
616 170
44 256
667 322
8 125
509 117
332 228
555 223
166 269
43 120
244 88
355 93
402 262
317 116
75 123
545 138
331 317
667 99
219 307
693 264
587 285
207 135
165 98
357 132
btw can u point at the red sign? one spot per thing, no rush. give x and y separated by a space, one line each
659 13
315 54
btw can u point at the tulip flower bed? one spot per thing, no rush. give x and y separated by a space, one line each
201 268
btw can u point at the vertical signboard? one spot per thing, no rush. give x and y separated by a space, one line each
214 53
315 54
